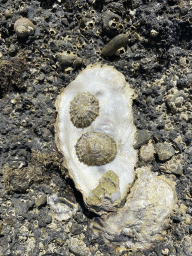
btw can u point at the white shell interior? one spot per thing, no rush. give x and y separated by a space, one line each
115 119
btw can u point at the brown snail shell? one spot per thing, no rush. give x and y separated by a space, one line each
84 109
24 27
95 149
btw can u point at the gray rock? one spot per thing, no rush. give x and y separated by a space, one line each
78 247
44 218
21 208
164 151
112 23
142 137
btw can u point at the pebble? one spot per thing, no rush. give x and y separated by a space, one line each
147 152
78 247
142 137
164 151
41 200
24 27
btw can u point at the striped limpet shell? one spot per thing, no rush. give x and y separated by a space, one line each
84 109
95 149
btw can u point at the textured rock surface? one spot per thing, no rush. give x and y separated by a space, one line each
156 62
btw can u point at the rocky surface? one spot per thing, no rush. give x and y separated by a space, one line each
69 35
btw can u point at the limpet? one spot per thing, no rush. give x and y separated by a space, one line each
95 148
84 109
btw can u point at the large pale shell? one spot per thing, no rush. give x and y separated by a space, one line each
84 109
95 148
144 216
115 120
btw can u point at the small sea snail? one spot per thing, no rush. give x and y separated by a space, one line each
84 109
24 27
95 149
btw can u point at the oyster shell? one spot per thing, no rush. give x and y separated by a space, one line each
84 109
96 148
115 119
140 222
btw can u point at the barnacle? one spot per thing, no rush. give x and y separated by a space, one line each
84 109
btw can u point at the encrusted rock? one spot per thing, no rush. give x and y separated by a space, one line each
67 59
78 247
112 23
174 165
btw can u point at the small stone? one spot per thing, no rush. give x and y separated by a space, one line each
147 152
164 151
154 33
76 229
165 251
8 14
78 247
142 137
44 218
24 27
41 200
46 134
59 241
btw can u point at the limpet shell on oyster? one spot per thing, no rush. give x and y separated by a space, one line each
84 109
113 121
96 148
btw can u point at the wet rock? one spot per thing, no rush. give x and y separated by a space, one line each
142 137
147 152
164 151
